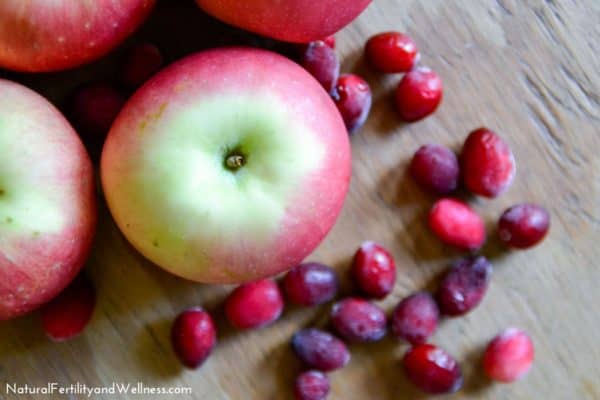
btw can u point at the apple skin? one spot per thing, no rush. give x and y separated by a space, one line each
44 36
299 21
170 194
47 201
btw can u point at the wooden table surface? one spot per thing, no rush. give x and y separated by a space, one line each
528 69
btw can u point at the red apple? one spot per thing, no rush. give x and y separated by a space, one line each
228 166
42 35
47 201
298 21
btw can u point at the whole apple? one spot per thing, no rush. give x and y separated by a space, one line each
47 201
228 166
298 21
42 35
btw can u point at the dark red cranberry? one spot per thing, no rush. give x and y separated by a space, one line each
523 225
142 61
352 96
487 163
310 284
94 108
432 370
359 320
374 270
193 336
67 315
322 62
419 94
320 350
415 318
254 305
464 286
509 356
311 385
457 224
392 52
435 168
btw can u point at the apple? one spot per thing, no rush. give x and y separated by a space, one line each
228 166
47 201
298 21
43 35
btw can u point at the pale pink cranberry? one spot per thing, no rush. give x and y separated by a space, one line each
392 52
415 318
509 356
523 225
254 305
435 168
94 108
487 163
457 224
321 61
374 270
359 320
193 337
310 284
67 315
419 94
432 370
141 62
311 385
320 350
352 96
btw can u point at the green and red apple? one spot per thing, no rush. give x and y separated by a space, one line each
52 35
47 201
298 21
228 166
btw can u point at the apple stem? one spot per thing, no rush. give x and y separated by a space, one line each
235 161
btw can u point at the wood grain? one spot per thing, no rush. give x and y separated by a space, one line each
528 69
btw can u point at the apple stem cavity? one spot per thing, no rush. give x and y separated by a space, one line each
234 160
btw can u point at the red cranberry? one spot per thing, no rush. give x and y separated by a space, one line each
319 349
141 62
254 305
392 52
415 318
457 224
330 41
352 96
435 168
464 286
419 94
310 284
358 320
432 370
322 62
509 356
69 313
488 164
311 385
94 108
374 270
523 225
193 336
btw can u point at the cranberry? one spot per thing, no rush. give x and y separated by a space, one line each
322 62
464 286
509 356
69 313
415 318
374 270
488 164
352 96
358 320
523 225
418 94
254 305
311 385
141 62
432 370
310 284
330 41
435 168
193 336
392 52
94 108
319 349
457 224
